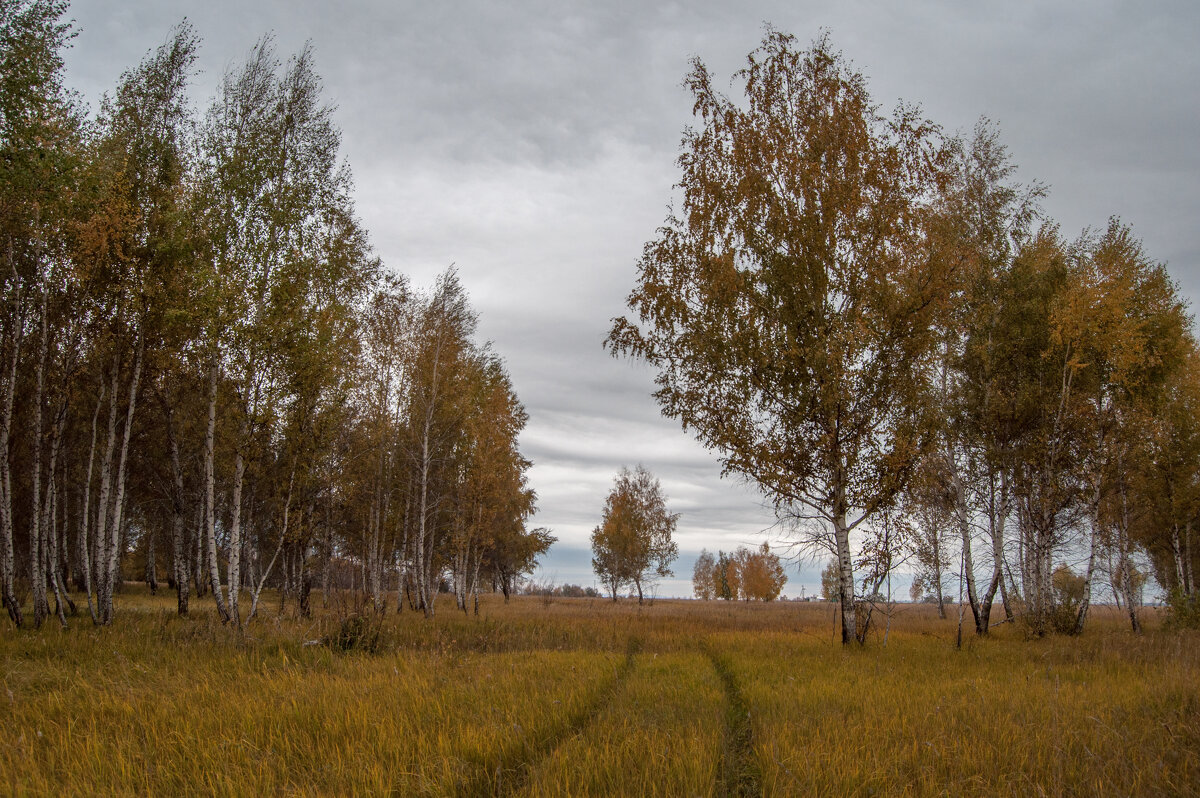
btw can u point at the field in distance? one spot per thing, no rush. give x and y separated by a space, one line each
585 697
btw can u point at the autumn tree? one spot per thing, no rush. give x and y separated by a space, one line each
726 577
1128 326
788 306
830 581
282 239
135 254
983 218
1166 488
760 574
40 150
704 576
492 498
436 411
633 543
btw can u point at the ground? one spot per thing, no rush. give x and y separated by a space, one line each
542 697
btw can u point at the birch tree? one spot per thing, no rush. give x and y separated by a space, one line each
142 162
634 542
278 205
788 307
40 138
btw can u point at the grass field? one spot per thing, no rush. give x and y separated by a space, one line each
584 697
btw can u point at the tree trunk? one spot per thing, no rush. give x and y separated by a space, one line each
8 564
199 564
938 566
85 564
262 580
100 538
1177 554
1126 562
210 508
997 518
1189 583
53 573
114 549
424 559
1086 601
962 515
235 535
179 566
37 529
845 577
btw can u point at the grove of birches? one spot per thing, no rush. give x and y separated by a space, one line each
210 383
208 380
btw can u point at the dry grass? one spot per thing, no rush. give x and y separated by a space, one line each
584 697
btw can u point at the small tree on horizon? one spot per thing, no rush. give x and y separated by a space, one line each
632 544
703 576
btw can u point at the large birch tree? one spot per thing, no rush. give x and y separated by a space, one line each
789 304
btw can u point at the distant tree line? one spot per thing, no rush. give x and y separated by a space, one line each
206 376
877 326
747 575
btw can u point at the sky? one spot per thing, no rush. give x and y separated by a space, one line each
532 146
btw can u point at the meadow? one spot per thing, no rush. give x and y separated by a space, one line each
545 697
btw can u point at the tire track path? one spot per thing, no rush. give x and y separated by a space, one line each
518 761
738 769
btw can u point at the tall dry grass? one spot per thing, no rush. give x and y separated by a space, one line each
587 697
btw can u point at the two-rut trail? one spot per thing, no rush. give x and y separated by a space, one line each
516 764
738 772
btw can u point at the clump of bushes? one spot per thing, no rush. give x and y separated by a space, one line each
1183 610
357 632
1068 589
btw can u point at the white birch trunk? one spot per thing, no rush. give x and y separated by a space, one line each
100 538
7 552
1094 534
178 549
114 548
235 536
845 578
282 537
37 531
210 504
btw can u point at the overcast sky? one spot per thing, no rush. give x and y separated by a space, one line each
532 144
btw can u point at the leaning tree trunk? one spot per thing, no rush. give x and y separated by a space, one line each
997 517
114 533
84 548
1127 562
262 580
